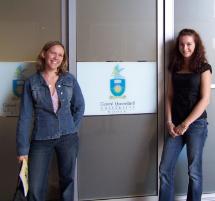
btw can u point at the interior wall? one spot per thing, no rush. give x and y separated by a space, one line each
200 16
26 25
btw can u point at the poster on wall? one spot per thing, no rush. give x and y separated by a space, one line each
12 79
118 87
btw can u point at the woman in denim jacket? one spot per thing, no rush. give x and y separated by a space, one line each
53 99
188 95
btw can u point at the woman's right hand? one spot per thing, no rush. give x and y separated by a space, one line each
171 129
21 158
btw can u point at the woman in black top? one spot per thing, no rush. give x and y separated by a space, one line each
188 95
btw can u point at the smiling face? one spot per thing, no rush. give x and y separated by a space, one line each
53 57
186 46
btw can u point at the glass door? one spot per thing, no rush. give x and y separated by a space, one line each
119 150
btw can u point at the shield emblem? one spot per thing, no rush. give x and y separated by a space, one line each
117 86
18 87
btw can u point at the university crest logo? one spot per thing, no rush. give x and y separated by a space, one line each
18 82
117 83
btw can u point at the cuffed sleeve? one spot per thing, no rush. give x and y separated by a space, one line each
25 121
77 104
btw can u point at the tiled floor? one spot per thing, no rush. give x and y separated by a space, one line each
204 198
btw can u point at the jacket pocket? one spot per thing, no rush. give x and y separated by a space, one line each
38 94
67 90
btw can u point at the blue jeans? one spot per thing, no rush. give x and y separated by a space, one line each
194 138
40 156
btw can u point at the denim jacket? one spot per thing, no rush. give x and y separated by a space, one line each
36 105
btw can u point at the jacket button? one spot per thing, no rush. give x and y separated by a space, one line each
59 86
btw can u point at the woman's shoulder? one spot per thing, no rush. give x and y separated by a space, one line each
34 80
68 77
204 67
33 77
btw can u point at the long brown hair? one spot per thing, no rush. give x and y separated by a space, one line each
40 66
198 57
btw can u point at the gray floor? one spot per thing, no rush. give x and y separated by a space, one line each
204 198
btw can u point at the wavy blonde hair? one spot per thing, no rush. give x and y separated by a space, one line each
40 65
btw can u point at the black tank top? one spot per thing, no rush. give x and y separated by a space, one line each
186 94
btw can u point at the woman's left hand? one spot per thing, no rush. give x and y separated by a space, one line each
181 128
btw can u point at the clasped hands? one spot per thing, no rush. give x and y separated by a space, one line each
175 131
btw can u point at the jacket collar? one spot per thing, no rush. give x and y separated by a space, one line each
63 78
